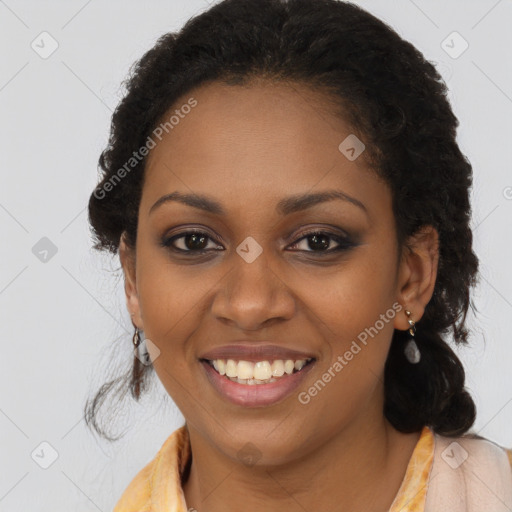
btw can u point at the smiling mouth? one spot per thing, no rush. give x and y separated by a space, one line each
257 373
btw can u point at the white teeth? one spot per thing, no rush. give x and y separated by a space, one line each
289 365
221 367
251 382
299 364
231 368
261 372
245 370
278 368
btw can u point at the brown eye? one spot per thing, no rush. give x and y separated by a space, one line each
194 241
321 242
190 241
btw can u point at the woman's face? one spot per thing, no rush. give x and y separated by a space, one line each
264 159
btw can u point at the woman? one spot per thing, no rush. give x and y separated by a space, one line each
291 210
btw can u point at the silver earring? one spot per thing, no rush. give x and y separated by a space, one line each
411 350
136 337
140 349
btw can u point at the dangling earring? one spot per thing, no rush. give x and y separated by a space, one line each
136 337
141 350
411 350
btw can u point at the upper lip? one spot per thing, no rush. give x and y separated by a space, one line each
255 352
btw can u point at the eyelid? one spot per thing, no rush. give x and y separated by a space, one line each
326 230
185 229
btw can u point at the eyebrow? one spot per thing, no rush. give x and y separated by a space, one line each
286 206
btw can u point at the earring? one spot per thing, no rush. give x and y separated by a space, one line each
136 337
411 350
141 350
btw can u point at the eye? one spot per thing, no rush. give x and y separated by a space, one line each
321 242
196 242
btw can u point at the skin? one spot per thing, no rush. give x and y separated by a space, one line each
248 148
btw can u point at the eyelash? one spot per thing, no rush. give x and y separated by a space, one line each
344 243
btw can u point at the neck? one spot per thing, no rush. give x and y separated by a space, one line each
358 468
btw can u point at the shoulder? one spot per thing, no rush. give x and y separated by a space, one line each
472 449
470 470
138 496
482 446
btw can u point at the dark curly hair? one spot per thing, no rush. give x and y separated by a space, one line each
391 95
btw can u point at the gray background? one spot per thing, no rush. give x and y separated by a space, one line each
63 317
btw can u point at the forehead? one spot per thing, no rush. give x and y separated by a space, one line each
264 138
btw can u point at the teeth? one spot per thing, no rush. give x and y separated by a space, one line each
299 364
251 382
289 365
231 368
278 368
221 367
262 370
247 372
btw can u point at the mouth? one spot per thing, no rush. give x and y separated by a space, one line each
256 383
257 373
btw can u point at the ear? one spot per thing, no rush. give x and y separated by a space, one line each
127 257
417 274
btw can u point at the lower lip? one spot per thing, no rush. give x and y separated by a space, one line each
256 395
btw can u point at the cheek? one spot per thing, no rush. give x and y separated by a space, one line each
353 311
171 299
169 290
352 308
355 294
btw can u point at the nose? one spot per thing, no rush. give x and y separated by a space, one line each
252 296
